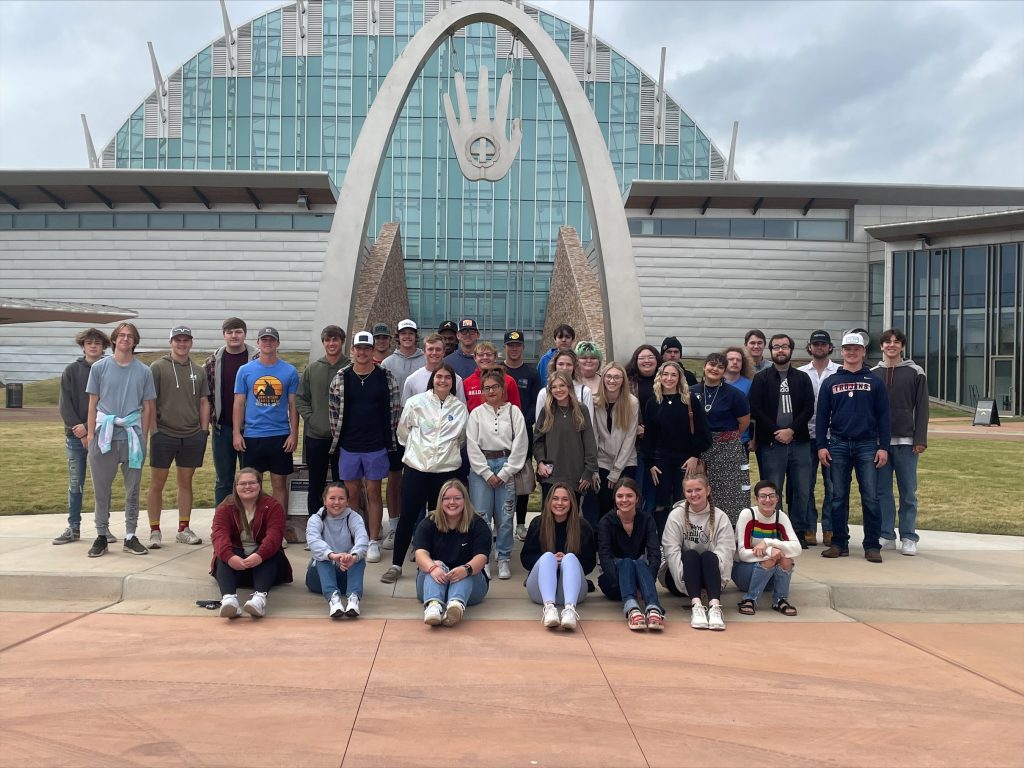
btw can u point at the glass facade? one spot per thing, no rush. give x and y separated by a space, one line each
962 312
474 249
743 228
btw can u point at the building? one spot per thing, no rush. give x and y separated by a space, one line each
715 259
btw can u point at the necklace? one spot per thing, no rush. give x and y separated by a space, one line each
564 411
709 406
362 379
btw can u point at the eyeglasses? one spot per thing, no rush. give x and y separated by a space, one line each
767 496
243 483
451 498
613 377
779 347
492 388
647 359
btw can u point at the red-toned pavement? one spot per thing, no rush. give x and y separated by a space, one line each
127 690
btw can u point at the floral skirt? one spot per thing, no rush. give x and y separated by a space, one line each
729 473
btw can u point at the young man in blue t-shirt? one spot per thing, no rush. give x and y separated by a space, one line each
266 419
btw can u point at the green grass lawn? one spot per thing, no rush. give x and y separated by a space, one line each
965 484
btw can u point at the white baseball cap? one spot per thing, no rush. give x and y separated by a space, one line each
407 325
853 338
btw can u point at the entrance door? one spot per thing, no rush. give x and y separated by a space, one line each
1002 384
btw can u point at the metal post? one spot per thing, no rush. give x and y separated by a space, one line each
729 175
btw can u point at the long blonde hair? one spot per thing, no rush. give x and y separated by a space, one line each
711 506
438 516
622 410
572 522
547 417
683 387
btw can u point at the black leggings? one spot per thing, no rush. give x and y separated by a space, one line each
700 572
419 492
261 578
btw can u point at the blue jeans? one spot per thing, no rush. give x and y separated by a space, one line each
498 504
903 463
225 461
468 591
78 459
754 579
632 575
791 461
326 577
826 505
648 490
849 456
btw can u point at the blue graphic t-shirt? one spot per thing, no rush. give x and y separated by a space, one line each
266 389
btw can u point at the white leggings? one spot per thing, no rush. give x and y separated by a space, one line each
549 583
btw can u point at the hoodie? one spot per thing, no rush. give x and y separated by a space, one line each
74 401
181 391
852 405
401 365
907 386
311 399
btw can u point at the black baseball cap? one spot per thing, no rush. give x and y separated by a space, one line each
513 337
448 325
468 325
381 329
820 337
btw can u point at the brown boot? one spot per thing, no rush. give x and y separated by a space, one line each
810 539
826 538
834 551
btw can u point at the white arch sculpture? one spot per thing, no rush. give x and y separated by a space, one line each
620 290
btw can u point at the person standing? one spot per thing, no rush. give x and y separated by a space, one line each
381 342
820 368
672 350
449 331
180 435
406 359
565 339
121 396
907 386
221 369
462 359
781 404
754 341
618 416
486 356
311 403
417 382
527 381
852 431
266 419
364 406
74 412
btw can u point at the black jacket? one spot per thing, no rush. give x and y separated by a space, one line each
764 404
532 550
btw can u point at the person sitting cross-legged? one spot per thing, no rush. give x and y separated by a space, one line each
767 546
338 541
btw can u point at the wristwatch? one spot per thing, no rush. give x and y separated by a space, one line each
469 569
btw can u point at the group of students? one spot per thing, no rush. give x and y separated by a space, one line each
626 457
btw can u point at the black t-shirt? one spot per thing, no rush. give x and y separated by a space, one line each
528 381
453 548
229 365
367 416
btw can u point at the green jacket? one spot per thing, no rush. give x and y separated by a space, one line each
311 399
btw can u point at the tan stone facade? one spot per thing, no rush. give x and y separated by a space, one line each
575 296
381 293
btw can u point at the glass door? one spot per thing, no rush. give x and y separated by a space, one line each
1002 384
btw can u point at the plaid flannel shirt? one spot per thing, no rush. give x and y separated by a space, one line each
336 407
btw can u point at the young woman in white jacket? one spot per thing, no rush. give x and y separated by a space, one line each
766 547
698 544
432 428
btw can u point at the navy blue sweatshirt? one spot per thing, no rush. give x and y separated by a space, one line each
853 405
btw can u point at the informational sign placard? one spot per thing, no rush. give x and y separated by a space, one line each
986 414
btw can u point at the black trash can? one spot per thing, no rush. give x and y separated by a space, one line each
15 395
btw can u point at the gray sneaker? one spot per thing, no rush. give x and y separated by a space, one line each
111 538
392 574
134 546
187 537
156 539
70 534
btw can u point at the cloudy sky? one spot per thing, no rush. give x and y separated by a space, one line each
912 92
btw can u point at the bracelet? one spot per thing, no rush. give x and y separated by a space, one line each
431 569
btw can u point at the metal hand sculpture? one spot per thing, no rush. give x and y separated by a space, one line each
483 151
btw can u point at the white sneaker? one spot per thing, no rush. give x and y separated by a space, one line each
433 614
335 609
187 537
909 547
521 532
487 571
715 620
389 540
352 609
569 618
284 543
504 569
453 613
373 553
156 539
229 607
392 574
549 616
888 544
698 617
256 606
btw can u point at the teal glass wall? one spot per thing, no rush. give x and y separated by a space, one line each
472 249
963 312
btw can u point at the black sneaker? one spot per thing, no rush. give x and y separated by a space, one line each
134 546
70 534
99 547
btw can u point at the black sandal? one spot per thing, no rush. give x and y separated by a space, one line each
748 607
784 608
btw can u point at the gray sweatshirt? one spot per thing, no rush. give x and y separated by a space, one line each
345 533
